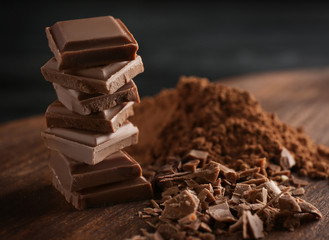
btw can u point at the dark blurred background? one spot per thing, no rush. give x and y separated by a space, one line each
202 38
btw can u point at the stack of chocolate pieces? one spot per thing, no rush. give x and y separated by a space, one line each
95 61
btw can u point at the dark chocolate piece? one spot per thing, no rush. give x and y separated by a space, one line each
109 120
105 79
84 103
89 147
75 175
91 42
131 190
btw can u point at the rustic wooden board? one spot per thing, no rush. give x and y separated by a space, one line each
30 208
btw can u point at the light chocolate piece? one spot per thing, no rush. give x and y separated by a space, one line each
84 103
106 121
105 79
287 161
131 190
91 42
89 147
75 175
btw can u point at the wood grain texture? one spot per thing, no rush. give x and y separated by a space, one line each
30 208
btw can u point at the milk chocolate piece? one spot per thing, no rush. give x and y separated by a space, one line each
287 161
89 147
197 154
84 103
181 205
131 190
105 79
75 175
109 120
221 212
91 42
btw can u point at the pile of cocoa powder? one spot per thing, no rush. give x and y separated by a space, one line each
221 165
226 122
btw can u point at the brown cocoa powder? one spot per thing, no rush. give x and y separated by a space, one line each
227 123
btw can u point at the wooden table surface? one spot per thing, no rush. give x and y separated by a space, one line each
30 208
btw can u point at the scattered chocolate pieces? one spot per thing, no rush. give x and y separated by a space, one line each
203 203
244 182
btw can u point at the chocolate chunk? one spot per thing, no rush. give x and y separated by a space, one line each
256 181
169 231
181 205
256 195
248 172
209 173
235 226
298 192
229 174
106 121
254 225
85 104
306 207
190 221
91 42
240 188
289 203
205 227
108 194
89 147
205 196
221 212
272 188
105 79
75 175
287 161
298 181
191 166
197 154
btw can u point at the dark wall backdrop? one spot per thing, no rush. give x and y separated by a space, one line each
201 38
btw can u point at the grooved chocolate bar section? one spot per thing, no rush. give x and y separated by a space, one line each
104 79
109 120
75 175
91 42
89 147
127 191
85 104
